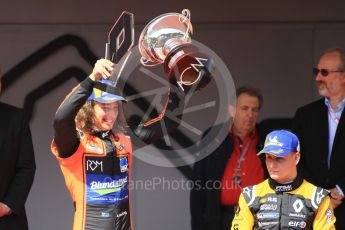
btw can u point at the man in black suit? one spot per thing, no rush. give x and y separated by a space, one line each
17 167
320 127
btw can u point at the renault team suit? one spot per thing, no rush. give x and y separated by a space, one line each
95 167
297 205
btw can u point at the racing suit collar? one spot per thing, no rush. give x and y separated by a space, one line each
103 134
281 188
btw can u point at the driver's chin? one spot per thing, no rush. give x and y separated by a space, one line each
103 127
106 127
275 176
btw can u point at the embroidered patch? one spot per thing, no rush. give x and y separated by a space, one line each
123 164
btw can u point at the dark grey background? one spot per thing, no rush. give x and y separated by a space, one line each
269 44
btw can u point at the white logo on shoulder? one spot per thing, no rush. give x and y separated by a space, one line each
319 196
247 191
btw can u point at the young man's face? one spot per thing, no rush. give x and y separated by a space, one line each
282 169
105 115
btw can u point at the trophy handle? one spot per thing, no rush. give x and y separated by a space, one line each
185 18
146 62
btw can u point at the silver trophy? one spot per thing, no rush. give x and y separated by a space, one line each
167 40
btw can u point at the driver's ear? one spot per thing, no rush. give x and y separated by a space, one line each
297 157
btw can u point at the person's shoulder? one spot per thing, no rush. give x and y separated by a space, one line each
313 105
262 187
221 142
306 185
10 110
125 138
250 192
262 130
315 193
123 135
315 188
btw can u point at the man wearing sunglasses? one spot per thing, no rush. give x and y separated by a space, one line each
320 127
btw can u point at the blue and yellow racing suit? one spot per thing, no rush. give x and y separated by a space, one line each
297 205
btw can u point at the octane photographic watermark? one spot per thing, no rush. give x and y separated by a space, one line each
166 184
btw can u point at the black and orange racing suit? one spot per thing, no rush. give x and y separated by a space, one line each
95 167
298 205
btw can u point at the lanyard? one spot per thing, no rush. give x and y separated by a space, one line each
243 154
237 177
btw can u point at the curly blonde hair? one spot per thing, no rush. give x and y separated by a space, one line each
85 118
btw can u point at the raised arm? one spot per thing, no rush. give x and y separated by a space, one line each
66 136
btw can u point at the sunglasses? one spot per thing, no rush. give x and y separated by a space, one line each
325 72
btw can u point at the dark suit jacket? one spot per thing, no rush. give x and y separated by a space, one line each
311 126
205 204
17 166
